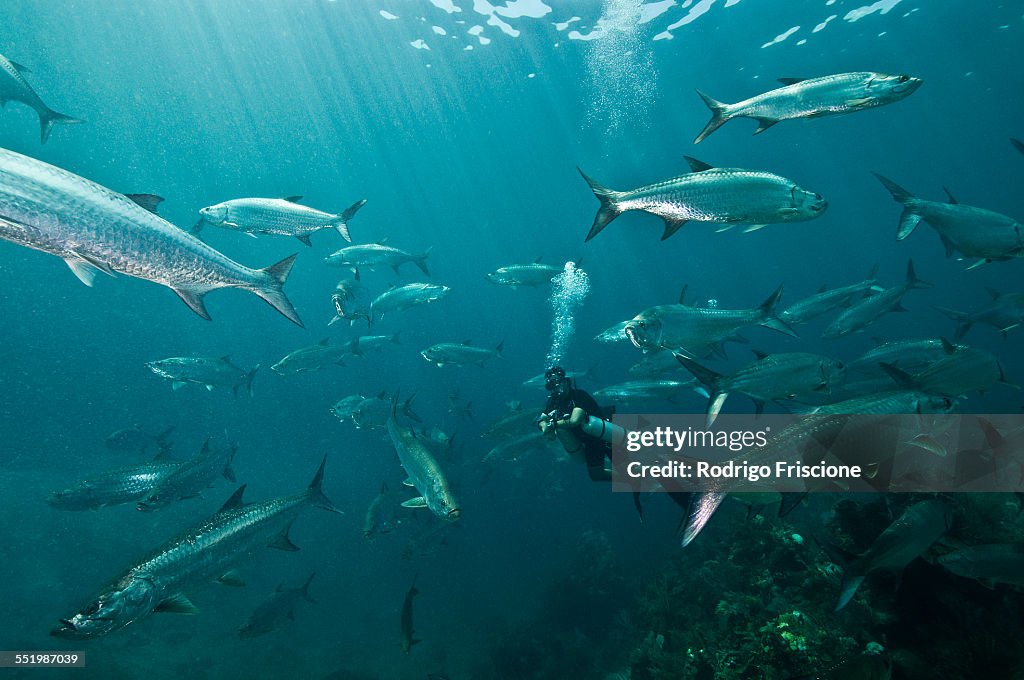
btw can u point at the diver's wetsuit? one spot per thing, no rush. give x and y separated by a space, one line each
595 450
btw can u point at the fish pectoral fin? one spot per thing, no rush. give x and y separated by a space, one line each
85 272
978 264
408 482
177 604
418 502
859 101
194 299
283 542
231 578
755 227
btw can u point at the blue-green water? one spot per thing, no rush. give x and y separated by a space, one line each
473 152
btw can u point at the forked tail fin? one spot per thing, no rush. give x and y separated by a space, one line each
270 289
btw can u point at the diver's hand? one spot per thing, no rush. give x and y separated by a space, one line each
577 417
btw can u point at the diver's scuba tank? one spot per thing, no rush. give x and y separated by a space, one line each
604 430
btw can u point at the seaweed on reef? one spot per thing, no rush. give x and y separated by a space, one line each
756 603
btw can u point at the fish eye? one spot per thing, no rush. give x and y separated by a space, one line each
91 609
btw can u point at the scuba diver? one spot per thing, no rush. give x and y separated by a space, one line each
580 424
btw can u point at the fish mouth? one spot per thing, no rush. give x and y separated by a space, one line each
455 514
633 335
67 629
818 207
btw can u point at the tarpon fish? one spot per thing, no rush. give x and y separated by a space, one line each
972 232
515 448
204 553
908 355
370 255
95 230
516 421
682 327
379 514
14 87
370 412
205 371
192 477
812 98
787 375
424 473
963 369
277 610
282 216
314 357
867 311
1005 312
404 297
647 389
728 196
515 275
362 344
907 538
116 487
138 440
990 563
455 354
407 632
826 300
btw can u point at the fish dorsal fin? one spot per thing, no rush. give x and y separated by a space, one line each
324 342
947 346
950 196
235 501
467 342
791 81
226 358
900 377
21 69
206 447
282 541
759 354
994 293
682 295
823 288
382 395
538 259
147 201
696 165
293 199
